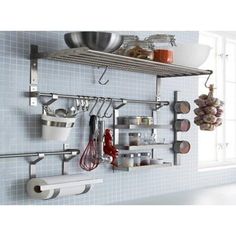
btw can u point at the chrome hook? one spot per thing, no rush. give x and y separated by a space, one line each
99 110
109 105
100 79
94 105
208 79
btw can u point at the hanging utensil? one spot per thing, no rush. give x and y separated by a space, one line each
90 159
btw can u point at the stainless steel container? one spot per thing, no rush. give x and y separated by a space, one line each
182 147
182 107
99 41
182 125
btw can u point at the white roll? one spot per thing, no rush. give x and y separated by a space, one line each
34 184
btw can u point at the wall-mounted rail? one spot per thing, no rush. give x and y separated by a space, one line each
93 98
35 157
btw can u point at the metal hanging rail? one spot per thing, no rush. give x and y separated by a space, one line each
67 153
36 154
92 98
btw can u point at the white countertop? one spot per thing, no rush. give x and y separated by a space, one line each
218 195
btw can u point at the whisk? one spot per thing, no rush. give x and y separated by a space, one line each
90 159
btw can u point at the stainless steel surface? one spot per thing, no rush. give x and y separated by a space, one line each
32 165
99 41
70 184
35 154
57 124
33 75
92 98
129 120
144 147
177 160
169 164
101 59
67 158
101 130
143 126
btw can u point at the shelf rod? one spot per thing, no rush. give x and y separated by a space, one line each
36 154
91 98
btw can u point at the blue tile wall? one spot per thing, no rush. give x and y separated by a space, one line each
21 130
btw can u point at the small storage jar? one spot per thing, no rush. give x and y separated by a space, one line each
56 128
141 49
145 158
134 139
137 159
127 160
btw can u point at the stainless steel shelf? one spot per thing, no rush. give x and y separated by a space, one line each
167 164
144 147
86 56
143 126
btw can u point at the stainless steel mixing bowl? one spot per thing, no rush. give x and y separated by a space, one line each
99 41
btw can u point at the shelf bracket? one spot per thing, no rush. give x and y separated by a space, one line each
124 102
33 87
66 158
158 93
32 165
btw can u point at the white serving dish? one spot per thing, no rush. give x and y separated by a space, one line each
191 55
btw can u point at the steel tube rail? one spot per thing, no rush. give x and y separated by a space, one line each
35 154
91 98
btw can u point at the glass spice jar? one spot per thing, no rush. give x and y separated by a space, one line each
134 139
145 158
137 159
141 49
127 160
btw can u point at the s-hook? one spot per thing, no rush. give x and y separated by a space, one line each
208 79
94 105
100 79
106 111
99 110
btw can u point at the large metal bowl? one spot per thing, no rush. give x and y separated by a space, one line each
99 41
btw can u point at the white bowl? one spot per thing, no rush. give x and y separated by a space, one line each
191 55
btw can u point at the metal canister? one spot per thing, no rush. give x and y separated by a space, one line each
129 120
182 107
182 147
182 125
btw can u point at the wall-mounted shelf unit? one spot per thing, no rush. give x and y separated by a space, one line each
86 56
